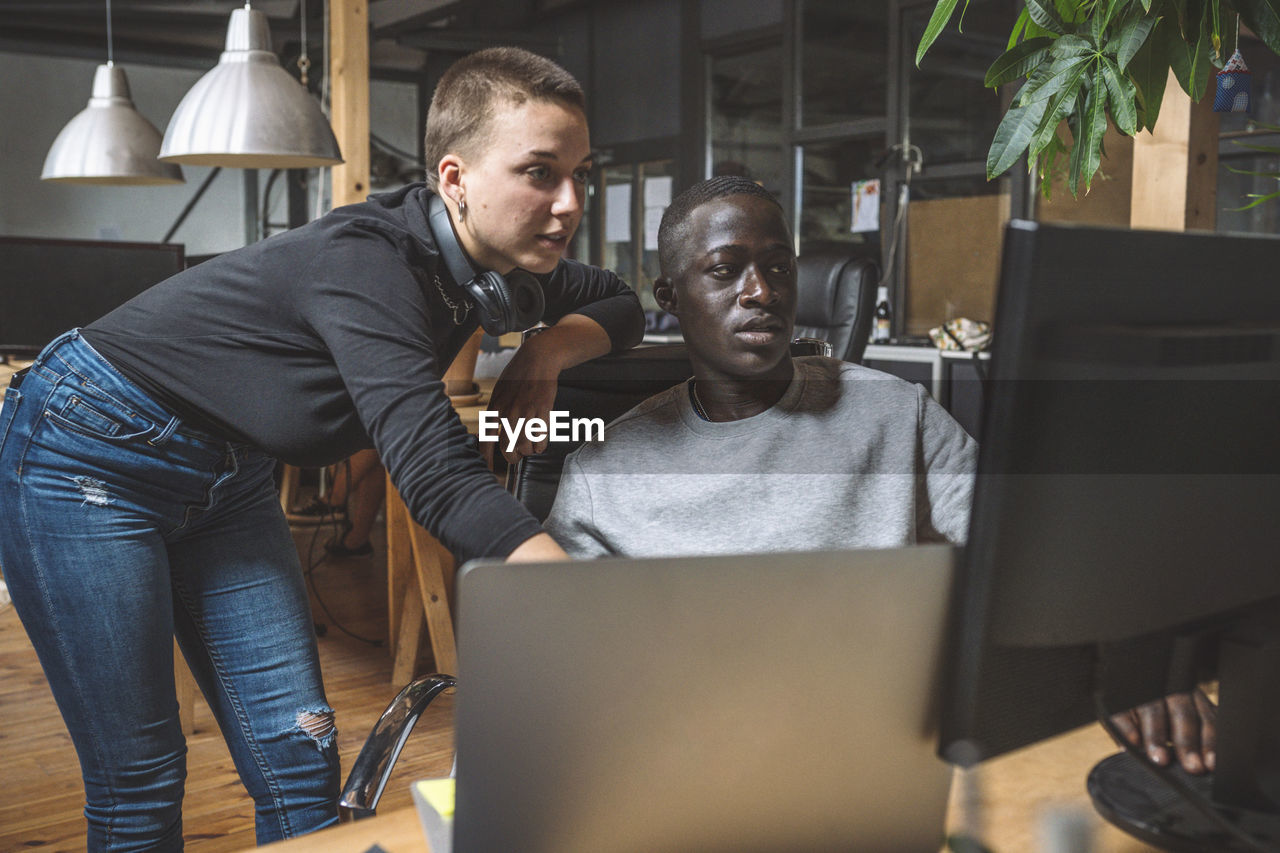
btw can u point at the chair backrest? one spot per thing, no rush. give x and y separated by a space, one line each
605 388
836 300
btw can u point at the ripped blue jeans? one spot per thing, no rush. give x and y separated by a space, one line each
123 529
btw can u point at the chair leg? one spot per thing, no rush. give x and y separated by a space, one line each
378 756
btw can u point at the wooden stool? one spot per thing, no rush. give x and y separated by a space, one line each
420 574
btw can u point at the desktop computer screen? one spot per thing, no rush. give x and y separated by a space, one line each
1122 545
51 286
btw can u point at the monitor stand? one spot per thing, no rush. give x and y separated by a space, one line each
1129 796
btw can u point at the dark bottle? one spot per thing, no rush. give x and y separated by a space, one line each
884 317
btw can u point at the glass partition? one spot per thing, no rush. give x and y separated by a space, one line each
829 172
844 61
634 196
744 101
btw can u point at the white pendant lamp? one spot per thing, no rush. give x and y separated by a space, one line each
109 141
247 112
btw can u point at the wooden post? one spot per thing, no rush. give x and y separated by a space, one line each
349 87
1175 167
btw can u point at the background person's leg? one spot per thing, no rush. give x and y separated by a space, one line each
366 489
347 475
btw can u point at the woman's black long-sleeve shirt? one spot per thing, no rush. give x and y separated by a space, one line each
333 337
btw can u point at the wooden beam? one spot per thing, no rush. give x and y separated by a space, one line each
349 87
1175 166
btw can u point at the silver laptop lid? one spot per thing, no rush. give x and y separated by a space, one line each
780 702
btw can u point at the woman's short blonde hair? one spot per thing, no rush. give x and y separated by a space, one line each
468 94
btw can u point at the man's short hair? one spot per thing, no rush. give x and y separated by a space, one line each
467 96
675 220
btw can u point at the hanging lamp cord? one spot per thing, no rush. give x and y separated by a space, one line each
304 63
111 57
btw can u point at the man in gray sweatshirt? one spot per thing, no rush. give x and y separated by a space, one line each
760 451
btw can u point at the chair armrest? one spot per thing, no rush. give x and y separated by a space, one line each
378 756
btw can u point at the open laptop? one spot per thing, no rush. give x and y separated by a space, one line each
780 702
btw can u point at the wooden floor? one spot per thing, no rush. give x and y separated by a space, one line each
43 799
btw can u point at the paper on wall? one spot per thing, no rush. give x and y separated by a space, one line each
617 213
866 206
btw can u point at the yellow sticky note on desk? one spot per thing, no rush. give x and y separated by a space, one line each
439 793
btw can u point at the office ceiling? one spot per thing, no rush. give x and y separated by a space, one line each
405 34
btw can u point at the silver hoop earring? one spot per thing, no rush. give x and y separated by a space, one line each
462 211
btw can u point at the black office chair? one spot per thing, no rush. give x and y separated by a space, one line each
836 300
372 767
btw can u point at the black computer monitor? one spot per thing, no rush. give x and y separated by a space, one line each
1124 540
50 286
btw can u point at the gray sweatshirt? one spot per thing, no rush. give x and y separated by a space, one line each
849 457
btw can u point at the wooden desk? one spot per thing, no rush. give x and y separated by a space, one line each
420 574
1014 793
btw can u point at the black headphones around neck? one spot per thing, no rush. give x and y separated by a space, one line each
510 303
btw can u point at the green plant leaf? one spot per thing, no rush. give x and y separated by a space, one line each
1130 39
937 23
1018 27
1095 127
1046 164
1251 173
1258 199
1075 161
1012 136
1122 95
1113 7
1017 62
1263 17
1071 11
1073 45
1149 69
1190 60
1048 129
1044 15
1051 82
1146 5
1068 104
1265 149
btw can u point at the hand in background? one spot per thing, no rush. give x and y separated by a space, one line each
1187 722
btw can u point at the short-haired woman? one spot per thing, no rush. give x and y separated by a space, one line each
137 453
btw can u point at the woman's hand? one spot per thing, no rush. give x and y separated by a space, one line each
527 387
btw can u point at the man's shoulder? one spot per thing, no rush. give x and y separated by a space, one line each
855 379
825 365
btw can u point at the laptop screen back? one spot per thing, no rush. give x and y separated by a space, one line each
765 702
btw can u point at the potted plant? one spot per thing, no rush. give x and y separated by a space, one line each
1090 62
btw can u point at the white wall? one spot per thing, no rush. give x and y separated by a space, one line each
42 96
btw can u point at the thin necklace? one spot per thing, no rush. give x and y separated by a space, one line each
697 404
453 306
